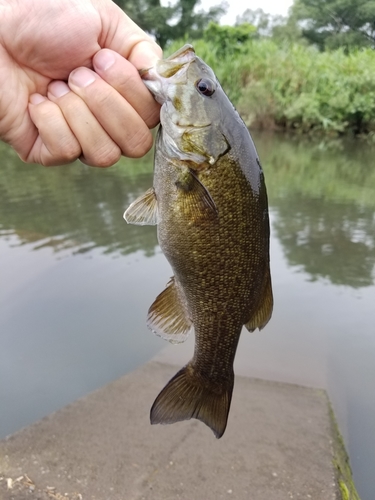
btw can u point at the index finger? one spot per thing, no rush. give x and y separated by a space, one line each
123 76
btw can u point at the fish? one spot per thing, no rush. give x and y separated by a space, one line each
209 203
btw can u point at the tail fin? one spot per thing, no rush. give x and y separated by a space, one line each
189 396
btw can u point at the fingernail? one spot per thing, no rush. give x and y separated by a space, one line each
82 77
58 89
37 99
104 59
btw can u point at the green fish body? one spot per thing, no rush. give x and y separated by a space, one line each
209 202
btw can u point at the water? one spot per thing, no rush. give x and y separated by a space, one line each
76 282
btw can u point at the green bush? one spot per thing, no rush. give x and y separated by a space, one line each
295 87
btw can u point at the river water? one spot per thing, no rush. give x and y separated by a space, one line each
76 282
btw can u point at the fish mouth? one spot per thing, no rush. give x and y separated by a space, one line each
186 51
168 72
143 72
166 68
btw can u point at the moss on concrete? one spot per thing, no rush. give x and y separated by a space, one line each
341 463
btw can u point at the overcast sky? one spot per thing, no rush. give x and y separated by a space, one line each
237 7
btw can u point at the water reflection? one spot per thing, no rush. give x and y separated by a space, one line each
323 200
73 207
69 325
324 203
327 239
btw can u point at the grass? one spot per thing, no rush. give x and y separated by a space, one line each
296 87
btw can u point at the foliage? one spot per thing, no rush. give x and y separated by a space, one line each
228 40
287 29
228 69
262 21
267 25
337 23
290 86
310 91
170 22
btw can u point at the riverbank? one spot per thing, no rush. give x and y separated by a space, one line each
294 87
281 442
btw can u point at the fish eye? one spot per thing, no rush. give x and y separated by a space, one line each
205 86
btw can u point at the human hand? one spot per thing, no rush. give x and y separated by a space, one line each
53 107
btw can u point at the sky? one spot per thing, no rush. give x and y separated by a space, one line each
237 7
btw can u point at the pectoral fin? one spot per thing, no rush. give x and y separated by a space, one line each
264 312
195 197
168 316
144 210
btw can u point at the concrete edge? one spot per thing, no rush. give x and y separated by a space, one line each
346 490
341 463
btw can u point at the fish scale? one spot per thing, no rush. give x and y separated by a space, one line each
209 202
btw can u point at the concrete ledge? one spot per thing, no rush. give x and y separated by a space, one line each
279 444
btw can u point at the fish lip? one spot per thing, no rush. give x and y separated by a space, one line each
186 49
181 52
143 71
166 68
157 79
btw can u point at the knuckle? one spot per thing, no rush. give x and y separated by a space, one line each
106 157
62 155
46 110
103 99
153 118
129 83
138 145
69 105
63 147
69 151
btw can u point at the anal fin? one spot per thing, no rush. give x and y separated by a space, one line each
168 316
144 210
263 313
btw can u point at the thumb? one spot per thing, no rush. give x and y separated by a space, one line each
125 37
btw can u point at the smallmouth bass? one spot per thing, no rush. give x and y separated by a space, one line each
209 202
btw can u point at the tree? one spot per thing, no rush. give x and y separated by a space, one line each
229 40
172 22
278 27
261 20
337 23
